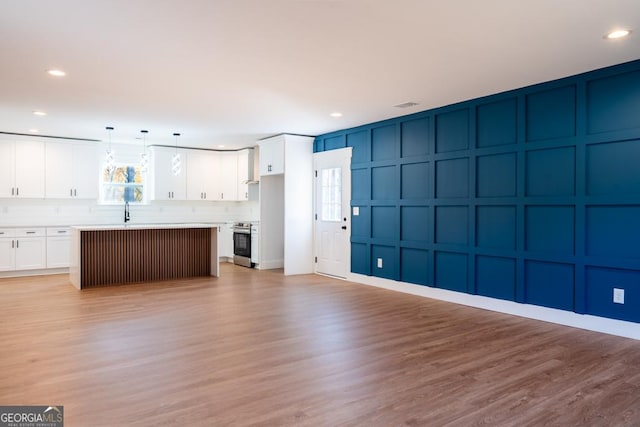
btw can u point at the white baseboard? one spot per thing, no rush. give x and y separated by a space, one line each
39 272
269 265
583 321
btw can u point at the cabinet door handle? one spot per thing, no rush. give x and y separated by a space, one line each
70 192
13 244
12 191
205 194
172 196
222 196
17 244
168 194
75 192
17 191
246 195
31 232
62 231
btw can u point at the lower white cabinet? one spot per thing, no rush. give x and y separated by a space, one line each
58 246
22 249
225 247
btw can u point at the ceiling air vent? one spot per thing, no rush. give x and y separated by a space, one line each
406 104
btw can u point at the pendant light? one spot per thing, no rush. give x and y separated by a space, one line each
110 164
175 160
144 158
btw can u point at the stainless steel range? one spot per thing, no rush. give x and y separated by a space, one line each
242 244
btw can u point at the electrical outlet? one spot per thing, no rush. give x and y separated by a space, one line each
379 262
618 296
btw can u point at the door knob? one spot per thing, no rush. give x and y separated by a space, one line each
344 227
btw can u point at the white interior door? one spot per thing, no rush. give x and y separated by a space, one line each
332 229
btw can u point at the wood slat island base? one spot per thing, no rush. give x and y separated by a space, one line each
113 255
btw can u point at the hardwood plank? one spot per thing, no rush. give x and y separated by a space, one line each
259 348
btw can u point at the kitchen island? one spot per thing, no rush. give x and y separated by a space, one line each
108 255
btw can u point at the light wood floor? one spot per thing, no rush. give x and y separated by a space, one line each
257 348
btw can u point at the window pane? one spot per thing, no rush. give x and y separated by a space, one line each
124 184
331 194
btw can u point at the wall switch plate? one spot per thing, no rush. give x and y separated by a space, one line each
618 296
379 262
356 210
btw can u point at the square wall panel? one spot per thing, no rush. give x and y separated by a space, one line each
383 143
414 266
496 227
612 168
551 172
551 114
386 255
361 223
334 143
550 229
550 284
360 258
452 225
452 131
384 183
360 185
415 181
415 137
496 123
414 223
613 103
360 143
452 178
451 271
613 231
496 175
496 277
384 224
600 285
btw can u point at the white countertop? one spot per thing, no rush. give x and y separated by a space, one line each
144 226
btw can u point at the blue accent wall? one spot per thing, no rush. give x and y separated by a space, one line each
531 195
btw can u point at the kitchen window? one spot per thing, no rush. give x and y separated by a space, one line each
126 183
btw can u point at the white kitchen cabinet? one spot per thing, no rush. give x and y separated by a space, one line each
228 175
272 155
225 246
23 169
7 249
58 246
71 171
30 248
166 185
245 172
201 175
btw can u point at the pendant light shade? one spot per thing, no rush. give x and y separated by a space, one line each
176 163
144 158
110 164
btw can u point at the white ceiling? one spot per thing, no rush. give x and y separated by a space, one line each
233 71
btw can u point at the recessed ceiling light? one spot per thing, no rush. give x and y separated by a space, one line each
34 130
336 114
618 34
406 104
56 73
39 113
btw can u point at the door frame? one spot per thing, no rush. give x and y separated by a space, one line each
344 155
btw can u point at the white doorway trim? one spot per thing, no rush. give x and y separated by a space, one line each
340 237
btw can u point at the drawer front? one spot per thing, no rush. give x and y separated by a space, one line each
58 231
7 232
30 232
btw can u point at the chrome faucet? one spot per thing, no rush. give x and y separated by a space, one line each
127 217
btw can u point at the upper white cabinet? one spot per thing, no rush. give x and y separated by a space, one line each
272 155
228 175
71 171
166 185
245 172
22 166
201 175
